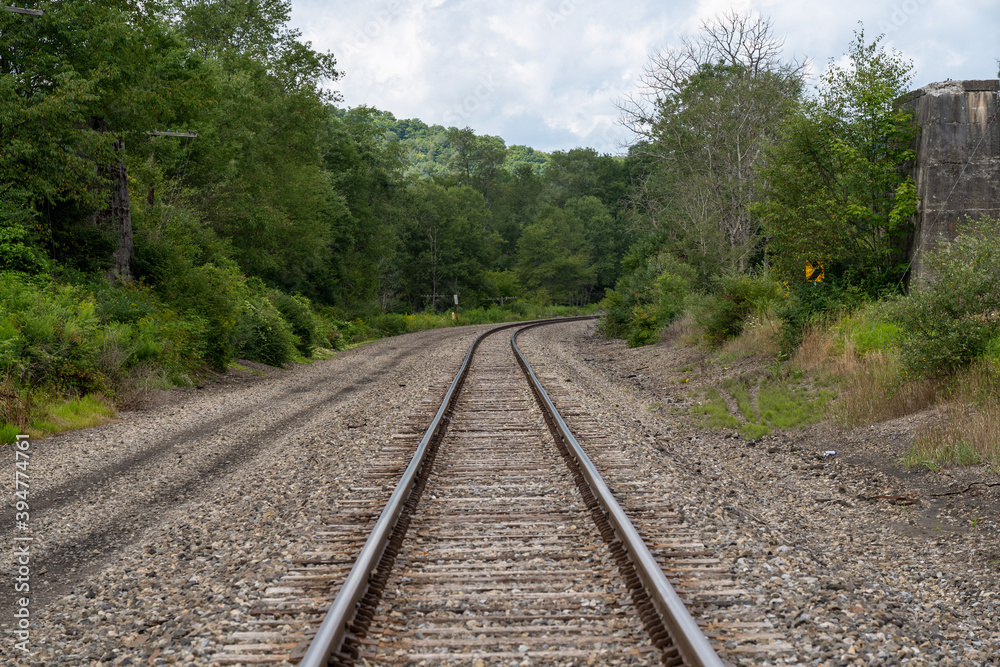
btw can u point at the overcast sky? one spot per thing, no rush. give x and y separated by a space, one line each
546 73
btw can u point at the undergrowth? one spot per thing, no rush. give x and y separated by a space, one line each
781 402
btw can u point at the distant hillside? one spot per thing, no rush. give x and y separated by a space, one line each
431 153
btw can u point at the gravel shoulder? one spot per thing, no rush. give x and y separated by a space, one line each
154 536
850 579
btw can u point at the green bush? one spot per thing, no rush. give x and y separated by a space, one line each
212 297
992 351
732 299
297 312
647 299
807 301
643 327
390 324
953 316
16 252
519 308
262 335
347 333
49 333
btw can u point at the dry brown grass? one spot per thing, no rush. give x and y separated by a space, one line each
968 431
871 391
759 337
682 331
15 403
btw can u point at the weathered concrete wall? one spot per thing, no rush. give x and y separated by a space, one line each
957 168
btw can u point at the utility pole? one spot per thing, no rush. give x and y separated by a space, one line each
156 133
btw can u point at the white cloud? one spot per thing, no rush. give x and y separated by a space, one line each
547 73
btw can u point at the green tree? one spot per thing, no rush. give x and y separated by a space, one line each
594 188
836 193
478 161
516 202
501 287
554 258
257 169
603 237
367 172
583 172
518 156
80 87
449 243
952 316
708 110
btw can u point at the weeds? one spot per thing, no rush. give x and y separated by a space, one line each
8 433
85 412
967 432
714 412
15 404
758 338
868 378
774 402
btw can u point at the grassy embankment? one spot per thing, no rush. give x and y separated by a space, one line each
852 368
836 347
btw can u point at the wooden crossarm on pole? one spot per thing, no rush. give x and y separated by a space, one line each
21 10
157 133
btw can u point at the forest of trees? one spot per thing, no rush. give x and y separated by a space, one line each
180 187
350 208
750 187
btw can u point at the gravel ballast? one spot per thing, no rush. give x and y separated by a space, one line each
851 579
154 536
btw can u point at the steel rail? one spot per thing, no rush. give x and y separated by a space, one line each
692 644
333 631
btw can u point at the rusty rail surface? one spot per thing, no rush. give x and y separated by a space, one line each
684 634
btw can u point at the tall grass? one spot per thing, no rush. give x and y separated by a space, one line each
869 377
859 352
967 431
759 336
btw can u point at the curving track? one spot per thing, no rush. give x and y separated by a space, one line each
500 543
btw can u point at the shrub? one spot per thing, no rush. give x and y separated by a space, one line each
952 317
297 312
49 333
128 304
390 324
733 298
807 301
212 297
16 253
262 335
643 327
648 299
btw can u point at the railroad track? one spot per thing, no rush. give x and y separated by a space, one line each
500 543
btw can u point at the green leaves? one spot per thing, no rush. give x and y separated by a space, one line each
950 319
834 189
554 256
